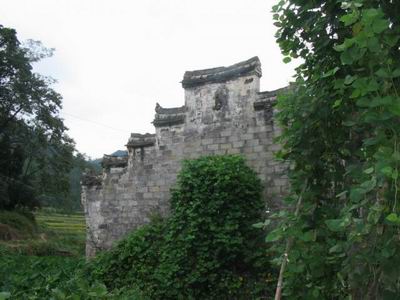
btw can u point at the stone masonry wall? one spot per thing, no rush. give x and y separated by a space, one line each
224 113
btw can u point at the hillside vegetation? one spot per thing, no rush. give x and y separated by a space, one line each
206 249
42 233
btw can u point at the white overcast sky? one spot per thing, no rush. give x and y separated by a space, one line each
115 59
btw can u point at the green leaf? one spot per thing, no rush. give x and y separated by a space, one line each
395 107
380 25
393 218
370 15
396 156
338 224
396 73
363 102
356 93
349 123
5 295
274 235
346 5
382 72
341 194
373 44
381 101
307 236
370 142
287 60
369 185
331 72
346 57
58 293
262 224
391 39
387 171
388 252
335 249
369 170
337 103
340 47
316 293
350 18
276 7
258 225
356 194
349 79
357 28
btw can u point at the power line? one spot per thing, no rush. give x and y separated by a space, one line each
96 123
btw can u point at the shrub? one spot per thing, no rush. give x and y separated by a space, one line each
22 222
132 260
209 238
206 249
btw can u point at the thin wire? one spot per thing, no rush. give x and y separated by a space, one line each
96 123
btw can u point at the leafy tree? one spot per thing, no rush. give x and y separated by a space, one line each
70 201
35 152
341 134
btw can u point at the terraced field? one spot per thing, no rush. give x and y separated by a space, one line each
66 232
56 235
36 264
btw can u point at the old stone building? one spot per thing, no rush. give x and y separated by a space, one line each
224 113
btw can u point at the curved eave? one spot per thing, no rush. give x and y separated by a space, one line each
251 66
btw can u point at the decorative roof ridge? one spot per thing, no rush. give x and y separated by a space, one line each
142 135
138 140
222 74
170 111
90 178
114 161
273 93
169 120
266 99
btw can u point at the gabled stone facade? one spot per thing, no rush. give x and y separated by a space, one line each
224 113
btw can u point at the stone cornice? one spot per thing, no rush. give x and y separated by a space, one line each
251 66
169 116
110 161
138 140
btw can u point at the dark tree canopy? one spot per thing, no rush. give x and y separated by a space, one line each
35 152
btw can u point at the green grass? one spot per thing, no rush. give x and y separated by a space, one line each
43 254
52 234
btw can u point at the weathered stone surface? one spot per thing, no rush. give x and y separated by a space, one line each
222 74
110 161
224 113
169 116
138 140
90 179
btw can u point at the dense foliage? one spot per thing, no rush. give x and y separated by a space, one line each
69 200
37 278
35 152
341 135
206 249
42 260
32 277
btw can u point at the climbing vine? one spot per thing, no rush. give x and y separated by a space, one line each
341 131
207 247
